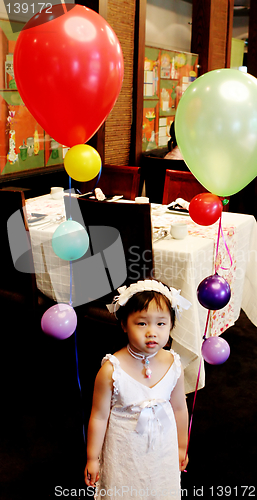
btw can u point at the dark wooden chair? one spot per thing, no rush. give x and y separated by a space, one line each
153 171
183 185
117 179
180 185
16 287
129 236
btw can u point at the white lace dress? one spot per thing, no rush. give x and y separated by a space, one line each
139 458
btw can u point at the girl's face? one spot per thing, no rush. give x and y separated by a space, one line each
148 330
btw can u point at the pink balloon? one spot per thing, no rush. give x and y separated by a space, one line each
215 350
59 321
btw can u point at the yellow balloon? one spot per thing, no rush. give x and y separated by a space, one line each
82 163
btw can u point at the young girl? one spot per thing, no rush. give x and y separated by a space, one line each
139 420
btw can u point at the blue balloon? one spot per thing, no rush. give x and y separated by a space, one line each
70 240
214 292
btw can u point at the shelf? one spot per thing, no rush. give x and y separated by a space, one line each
12 97
170 112
31 162
151 97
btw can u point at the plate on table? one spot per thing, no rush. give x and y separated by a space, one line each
177 212
36 221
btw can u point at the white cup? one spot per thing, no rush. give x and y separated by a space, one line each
141 199
57 193
178 230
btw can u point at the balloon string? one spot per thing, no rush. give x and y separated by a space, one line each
229 254
196 389
98 177
193 407
75 332
206 325
220 232
70 217
70 260
217 247
96 182
70 282
79 384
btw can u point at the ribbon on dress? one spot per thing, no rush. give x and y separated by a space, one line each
152 416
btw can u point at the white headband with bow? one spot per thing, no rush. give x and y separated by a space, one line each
125 293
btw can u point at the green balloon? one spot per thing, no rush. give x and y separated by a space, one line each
216 130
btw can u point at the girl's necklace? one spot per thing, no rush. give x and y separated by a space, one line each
145 359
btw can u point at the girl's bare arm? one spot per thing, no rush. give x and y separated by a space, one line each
98 421
178 403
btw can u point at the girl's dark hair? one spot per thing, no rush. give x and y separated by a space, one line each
140 302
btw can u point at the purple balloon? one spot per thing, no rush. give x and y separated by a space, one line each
215 350
214 292
59 321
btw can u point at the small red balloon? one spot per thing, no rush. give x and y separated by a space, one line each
205 209
74 74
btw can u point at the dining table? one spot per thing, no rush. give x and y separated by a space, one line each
180 263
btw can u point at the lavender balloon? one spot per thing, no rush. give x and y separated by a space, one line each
59 321
215 350
214 292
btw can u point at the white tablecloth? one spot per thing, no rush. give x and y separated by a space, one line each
182 264
185 263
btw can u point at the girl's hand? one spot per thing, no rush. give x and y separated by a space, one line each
91 472
182 460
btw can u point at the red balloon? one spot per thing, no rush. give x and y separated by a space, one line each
205 209
68 67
